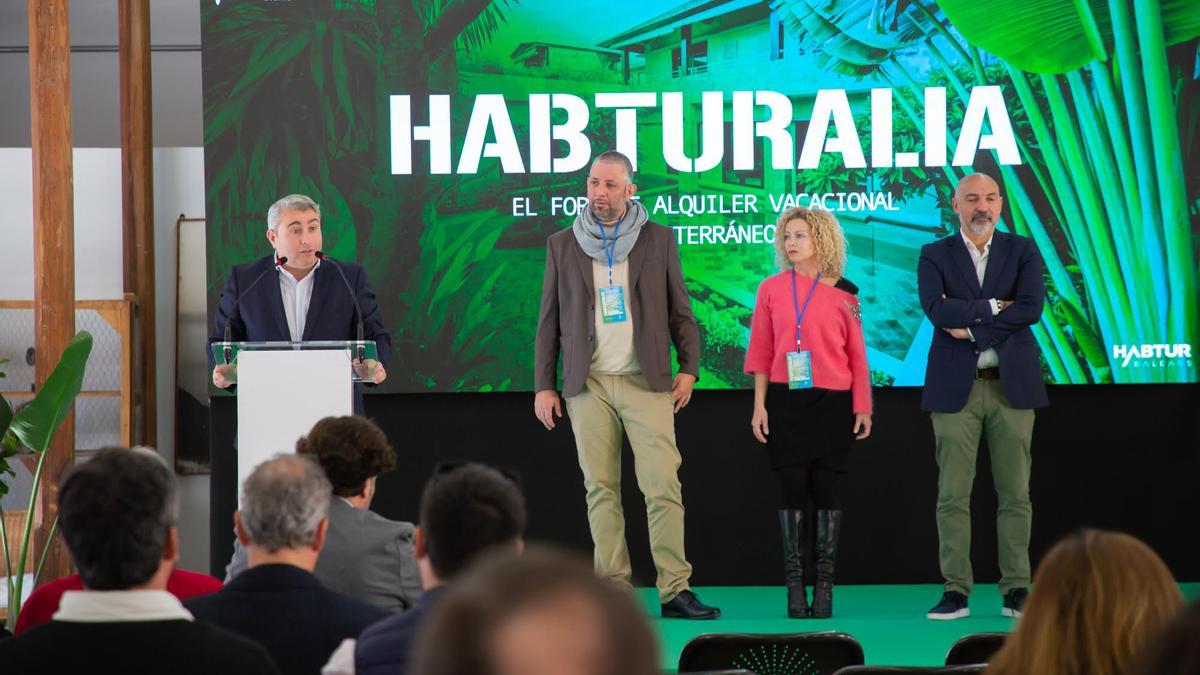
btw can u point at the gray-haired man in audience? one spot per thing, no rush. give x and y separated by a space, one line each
278 602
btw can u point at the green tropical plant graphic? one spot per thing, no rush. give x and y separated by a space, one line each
296 100
1104 192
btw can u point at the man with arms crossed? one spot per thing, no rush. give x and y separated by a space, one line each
982 290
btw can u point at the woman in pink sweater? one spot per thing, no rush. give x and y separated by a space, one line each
812 391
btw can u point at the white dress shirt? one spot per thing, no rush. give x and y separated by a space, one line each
119 606
296 297
989 358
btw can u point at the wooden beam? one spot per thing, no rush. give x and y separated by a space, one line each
124 319
53 240
137 206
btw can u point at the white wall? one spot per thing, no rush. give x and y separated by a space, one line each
178 189
98 255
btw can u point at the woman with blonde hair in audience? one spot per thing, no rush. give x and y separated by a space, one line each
1098 598
1175 651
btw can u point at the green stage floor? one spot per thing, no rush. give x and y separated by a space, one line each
889 621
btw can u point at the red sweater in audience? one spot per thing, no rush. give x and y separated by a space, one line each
43 602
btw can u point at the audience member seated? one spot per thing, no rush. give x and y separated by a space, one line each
43 602
541 613
366 556
1176 649
117 515
278 602
1097 599
465 511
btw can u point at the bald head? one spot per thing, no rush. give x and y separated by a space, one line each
976 182
977 203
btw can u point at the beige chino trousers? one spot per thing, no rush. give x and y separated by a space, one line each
608 405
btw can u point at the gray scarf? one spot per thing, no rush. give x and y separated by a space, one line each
587 232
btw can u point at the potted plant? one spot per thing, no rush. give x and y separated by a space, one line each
31 427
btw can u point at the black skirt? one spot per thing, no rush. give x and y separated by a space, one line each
808 424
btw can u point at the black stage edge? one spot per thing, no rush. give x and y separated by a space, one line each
1118 457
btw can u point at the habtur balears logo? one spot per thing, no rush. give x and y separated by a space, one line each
832 129
1158 354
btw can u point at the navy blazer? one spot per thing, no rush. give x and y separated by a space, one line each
952 298
287 611
260 317
386 648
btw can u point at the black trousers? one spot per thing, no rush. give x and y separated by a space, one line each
814 481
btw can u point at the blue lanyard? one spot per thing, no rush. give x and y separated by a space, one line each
609 250
796 301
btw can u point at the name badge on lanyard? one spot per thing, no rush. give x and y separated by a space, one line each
799 362
799 365
612 304
612 298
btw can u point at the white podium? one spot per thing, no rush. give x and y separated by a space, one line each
284 388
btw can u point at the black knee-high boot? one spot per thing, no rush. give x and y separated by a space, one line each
791 531
829 526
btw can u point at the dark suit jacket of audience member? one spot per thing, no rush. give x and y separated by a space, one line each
366 557
176 647
288 611
385 648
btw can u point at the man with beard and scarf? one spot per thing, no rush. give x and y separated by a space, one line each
613 301
982 291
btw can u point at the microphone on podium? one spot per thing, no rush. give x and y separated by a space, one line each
353 297
279 262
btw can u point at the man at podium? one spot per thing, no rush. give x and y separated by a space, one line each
298 294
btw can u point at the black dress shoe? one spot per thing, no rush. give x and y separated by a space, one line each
687 606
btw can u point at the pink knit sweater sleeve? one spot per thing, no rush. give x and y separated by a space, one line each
856 349
760 355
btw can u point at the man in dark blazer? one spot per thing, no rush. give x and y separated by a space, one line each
467 512
117 515
982 290
613 301
278 603
366 556
290 295
296 294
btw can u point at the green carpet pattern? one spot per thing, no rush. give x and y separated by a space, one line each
889 621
